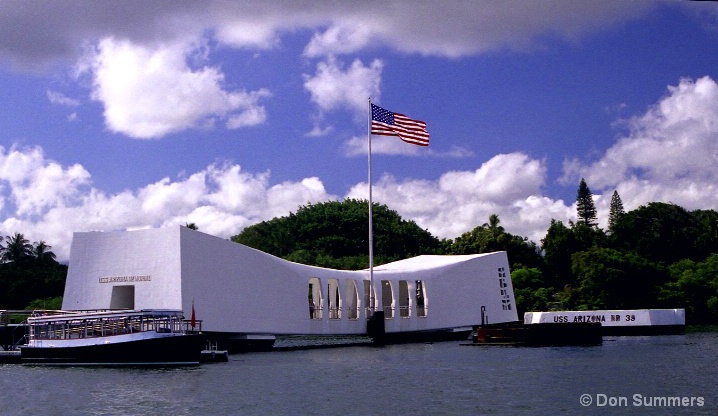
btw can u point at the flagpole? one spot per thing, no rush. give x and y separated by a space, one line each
371 225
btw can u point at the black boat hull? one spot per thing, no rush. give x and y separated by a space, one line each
171 350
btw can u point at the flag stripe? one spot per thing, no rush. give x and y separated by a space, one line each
387 123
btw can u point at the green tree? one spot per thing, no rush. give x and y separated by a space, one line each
561 243
21 283
611 279
530 290
491 237
42 254
558 245
693 286
54 303
663 233
707 241
17 250
335 234
585 207
615 211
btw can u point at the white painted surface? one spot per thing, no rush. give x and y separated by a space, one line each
629 317
238 289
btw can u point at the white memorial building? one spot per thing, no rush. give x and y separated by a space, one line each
243 294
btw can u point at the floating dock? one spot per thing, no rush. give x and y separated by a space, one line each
538 335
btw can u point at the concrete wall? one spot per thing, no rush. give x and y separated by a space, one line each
147 259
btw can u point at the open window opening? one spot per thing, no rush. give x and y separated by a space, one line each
352 300
421 304
387 299
404 299
335 300
315 298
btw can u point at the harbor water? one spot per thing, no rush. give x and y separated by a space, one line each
625 375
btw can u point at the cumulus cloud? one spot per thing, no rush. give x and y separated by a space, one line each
670 153
333 86
148 92
46 201
338 39
140 71
36 184
508 185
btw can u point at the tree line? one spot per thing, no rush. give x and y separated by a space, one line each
30 276
657 256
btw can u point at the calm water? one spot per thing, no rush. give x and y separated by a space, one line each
440 378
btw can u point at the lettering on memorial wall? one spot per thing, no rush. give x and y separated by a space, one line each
503 286
124 279
600 318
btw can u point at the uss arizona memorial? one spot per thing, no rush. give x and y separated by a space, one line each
245 296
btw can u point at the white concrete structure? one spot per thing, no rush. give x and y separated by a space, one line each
618 322
240 290
623 317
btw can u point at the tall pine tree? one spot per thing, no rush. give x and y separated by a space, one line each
616 210
585 207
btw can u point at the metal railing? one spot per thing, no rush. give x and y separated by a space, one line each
335 313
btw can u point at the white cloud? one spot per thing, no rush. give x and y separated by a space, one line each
319 131
46 201
462 28
507 185
341 39
669 155
357 146
61 99
36 184
452 29
149 92
149 65
333 86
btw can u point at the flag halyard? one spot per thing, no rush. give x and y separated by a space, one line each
387 123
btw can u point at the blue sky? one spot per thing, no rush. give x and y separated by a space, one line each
138 114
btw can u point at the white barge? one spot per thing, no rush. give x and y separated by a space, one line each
246 298
618 322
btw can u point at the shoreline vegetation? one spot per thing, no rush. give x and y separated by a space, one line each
658 255
701 328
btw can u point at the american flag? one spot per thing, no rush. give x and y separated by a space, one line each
386 123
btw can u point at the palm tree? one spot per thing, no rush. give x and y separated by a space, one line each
41 252
18 249
494 227
496 233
